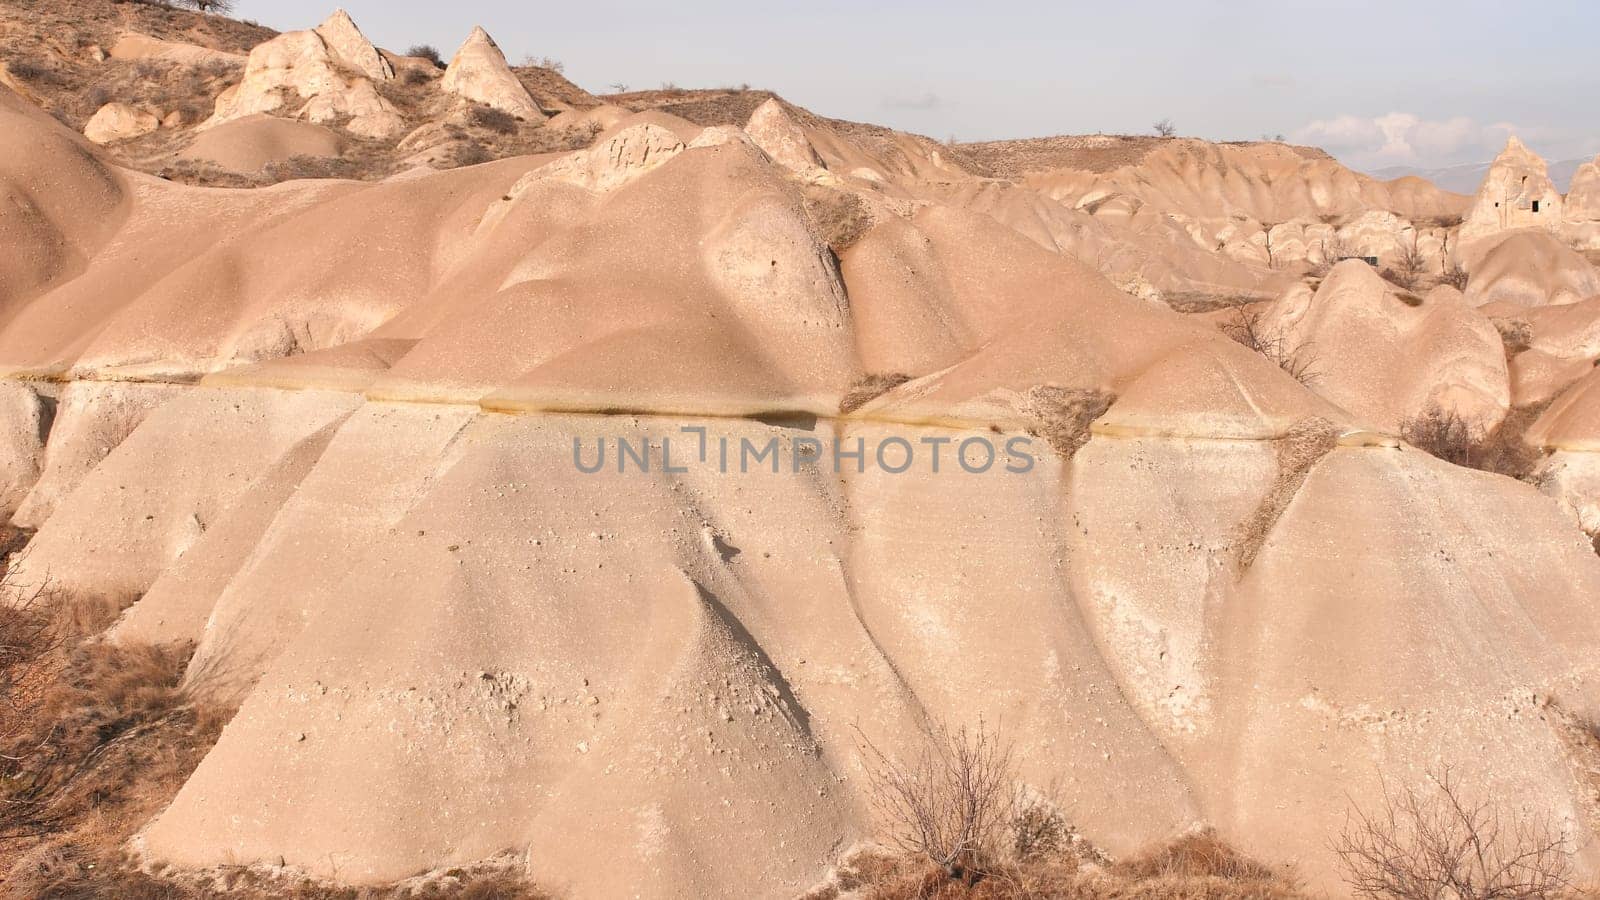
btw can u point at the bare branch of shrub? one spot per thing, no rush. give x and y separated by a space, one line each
950 800
1409 264
1335 249
1435 842
1248 327
1164 128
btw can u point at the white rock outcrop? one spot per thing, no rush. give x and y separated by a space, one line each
119 122
349 46
478 72
1582 213
305 64
1386 355
773 130
1517 193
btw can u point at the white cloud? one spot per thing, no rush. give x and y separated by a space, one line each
1402 138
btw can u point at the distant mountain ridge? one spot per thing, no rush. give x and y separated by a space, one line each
1464 178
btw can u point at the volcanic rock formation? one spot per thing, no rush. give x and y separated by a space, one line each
338 435
478 72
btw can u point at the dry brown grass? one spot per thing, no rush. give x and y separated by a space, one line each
1192 302
840 218
490 119
53 38
75 875
551 89
1301 448
869 387
1515 334
97 737
1198 866
1063 416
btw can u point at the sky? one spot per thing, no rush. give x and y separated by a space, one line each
1378 84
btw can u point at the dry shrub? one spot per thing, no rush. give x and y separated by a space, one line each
1447 434
840 218
416 77
28 71
1248 327
490 119
1437 842
427 52
1335 250
1516 334
113 712
1444 433
869 387
1062 416
1408 265
470 153
1454 275
949 801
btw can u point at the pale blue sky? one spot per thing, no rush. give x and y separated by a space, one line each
1377 83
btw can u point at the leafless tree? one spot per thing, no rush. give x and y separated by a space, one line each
1434 843
212 6
1248 327
1165 128
1334 250
1408 263
1454 275
950 800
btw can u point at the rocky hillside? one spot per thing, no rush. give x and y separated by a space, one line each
586 477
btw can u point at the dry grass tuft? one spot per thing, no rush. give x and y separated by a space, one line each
840 218
1193 867
490 119
870 387
1516 334
1198 854
1063 416
1301 447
